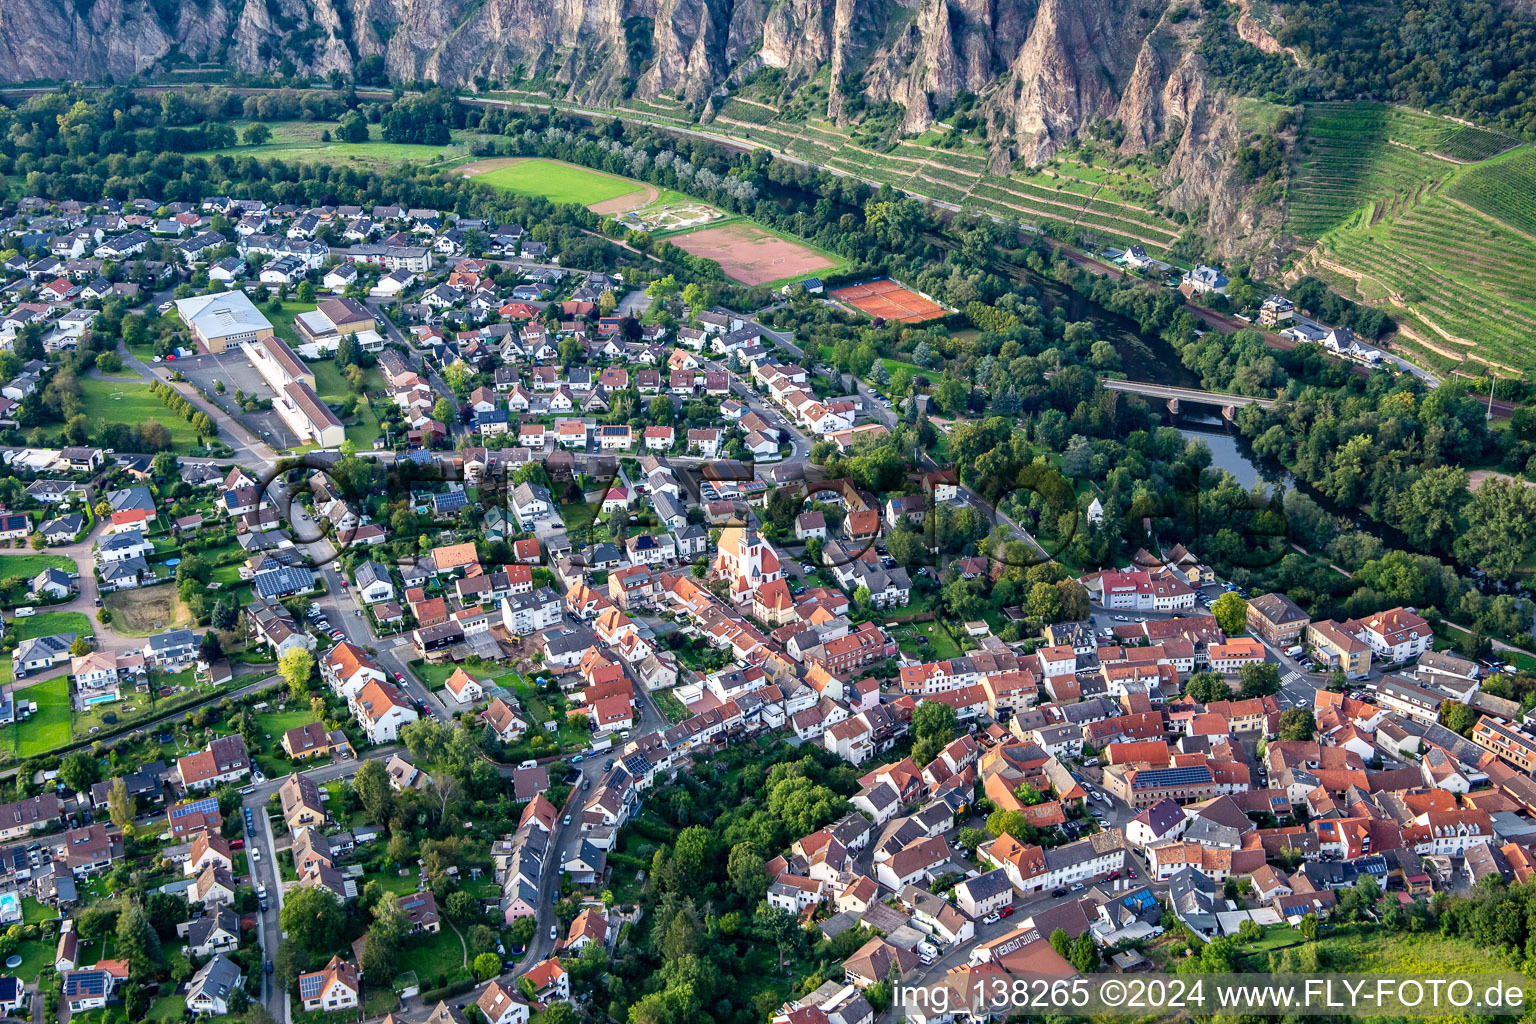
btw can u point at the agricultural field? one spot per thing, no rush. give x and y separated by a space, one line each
560 182
1463 276
301 142
1404 220
125 401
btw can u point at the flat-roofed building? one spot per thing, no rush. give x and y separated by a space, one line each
219 321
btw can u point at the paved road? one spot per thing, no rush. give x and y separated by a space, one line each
265 872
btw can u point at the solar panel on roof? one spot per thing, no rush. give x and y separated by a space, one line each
207 805
309 985
1159 777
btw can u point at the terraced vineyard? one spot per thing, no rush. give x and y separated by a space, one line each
1504 189
1108 203
1359 154
1463 278
1470 144
1412 215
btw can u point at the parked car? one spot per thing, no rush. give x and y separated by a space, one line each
992 918
1005 912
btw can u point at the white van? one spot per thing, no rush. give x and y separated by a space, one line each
22 613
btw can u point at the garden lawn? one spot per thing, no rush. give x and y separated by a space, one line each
331 386
48 729
35 955
28 566
273 724
282 320
438 958
33 912
938 647
393 881
120 401
46 623
560 183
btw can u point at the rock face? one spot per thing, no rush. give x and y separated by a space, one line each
1042 66
1041 69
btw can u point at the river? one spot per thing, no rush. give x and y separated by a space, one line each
1150 358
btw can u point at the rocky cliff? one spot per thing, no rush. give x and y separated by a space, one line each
1044 66
1039 69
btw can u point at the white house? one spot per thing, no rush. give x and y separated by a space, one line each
334 987
381 710
373 583
210 989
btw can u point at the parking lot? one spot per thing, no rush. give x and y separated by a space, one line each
237 374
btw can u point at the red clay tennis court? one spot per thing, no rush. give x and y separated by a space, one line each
887 300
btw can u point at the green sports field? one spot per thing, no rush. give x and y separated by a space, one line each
301 142
560 183
129 401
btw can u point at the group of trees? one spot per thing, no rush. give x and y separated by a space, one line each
706 917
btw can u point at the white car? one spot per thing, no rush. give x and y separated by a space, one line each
925 958
992 918
256 854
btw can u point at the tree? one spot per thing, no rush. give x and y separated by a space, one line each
296 666
79 771
1085 953
487 966
933 718
353 127
313 919
286 965
120 804
744 867
444 411
1061 942
1458 717
1258 679
256 134
463 907
1297 724
372 785
1011 822
136 940
226 615
1231 613
81 647
1308 927
521 931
